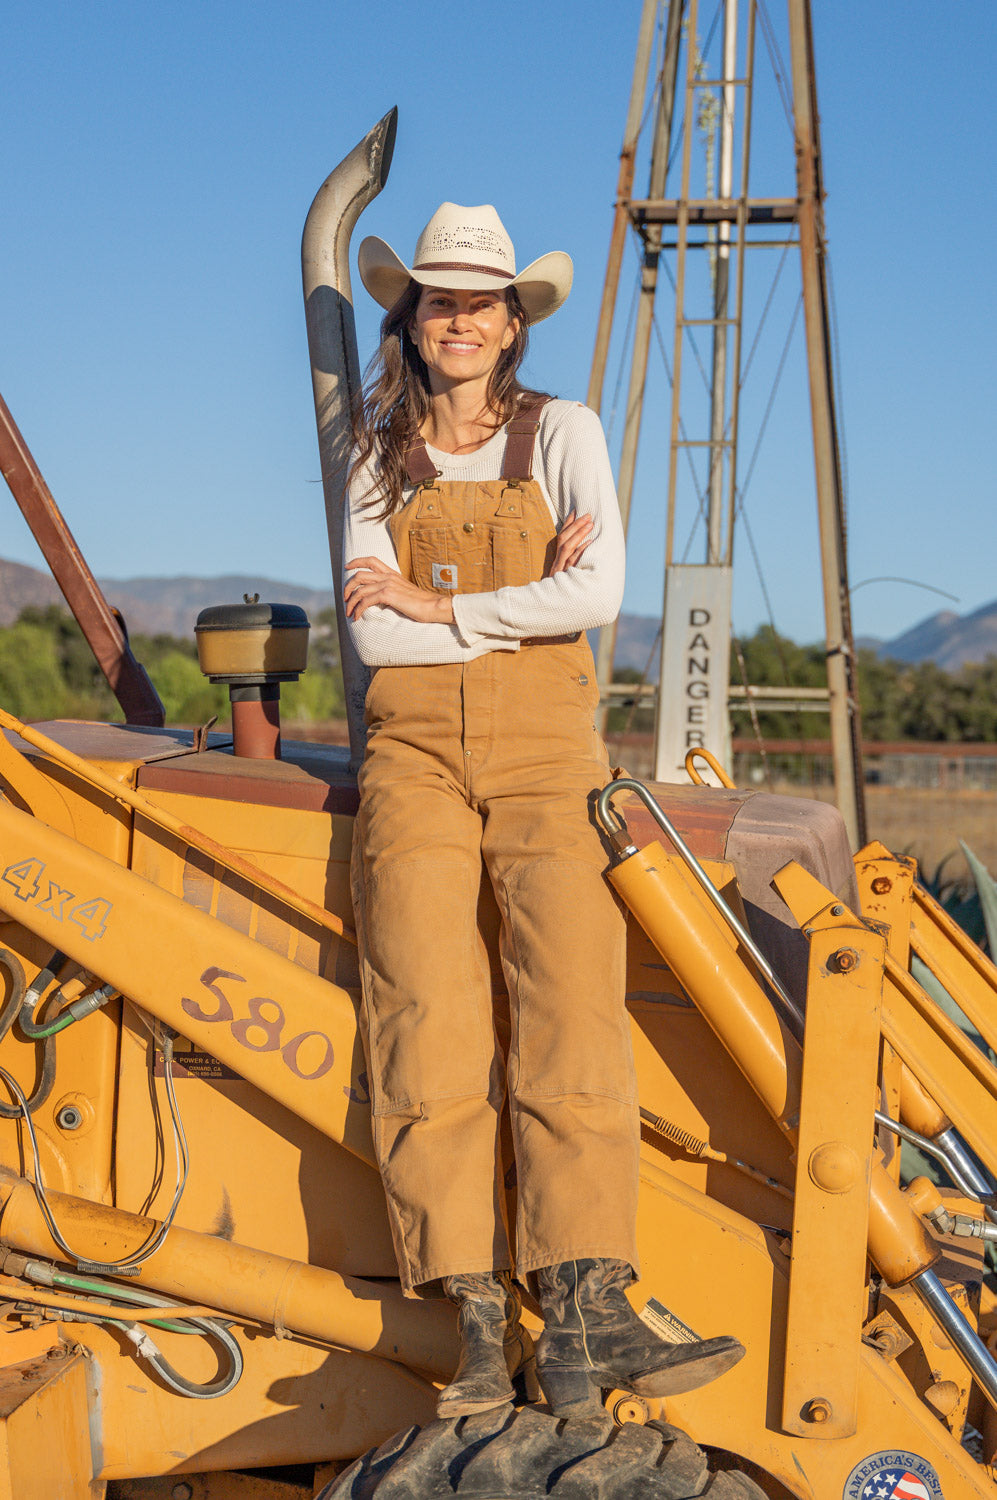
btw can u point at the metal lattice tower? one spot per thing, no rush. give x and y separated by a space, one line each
720 219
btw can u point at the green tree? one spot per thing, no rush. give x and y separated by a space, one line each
47 671
773 660
85 693
318 693
32 684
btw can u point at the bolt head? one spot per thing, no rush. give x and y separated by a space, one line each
844 961
882 885
631 1409
834 1167
182 1491
818 1410
943 1395
69 1117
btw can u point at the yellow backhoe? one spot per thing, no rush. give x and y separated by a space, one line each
200 1297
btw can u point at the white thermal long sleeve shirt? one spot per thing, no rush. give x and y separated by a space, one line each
571 466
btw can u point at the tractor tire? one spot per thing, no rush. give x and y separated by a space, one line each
521 1454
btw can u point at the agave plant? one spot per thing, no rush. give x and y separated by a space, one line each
977 916
986 895
964 903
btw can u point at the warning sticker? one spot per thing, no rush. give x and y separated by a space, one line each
191 1061
666 1325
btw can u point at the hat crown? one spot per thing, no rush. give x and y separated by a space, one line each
469 236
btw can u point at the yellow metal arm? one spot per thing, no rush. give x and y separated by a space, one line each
703 954
961 965
281 1027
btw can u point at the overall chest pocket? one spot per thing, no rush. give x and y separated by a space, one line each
471 558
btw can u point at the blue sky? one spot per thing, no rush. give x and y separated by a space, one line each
158 161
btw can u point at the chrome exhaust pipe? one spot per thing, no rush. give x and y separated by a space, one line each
335 360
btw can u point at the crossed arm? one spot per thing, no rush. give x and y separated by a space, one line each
373 582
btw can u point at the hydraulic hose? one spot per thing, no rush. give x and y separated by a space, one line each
949 1150
137 1258
11 1012
73 1012
65 1015
41 1273
150 1351
961 1161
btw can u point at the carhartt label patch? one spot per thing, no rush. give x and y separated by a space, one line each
444 575
893 1475
666 1325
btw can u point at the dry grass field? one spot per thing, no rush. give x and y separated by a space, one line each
929 825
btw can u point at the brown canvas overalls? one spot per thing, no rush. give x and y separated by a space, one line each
492 760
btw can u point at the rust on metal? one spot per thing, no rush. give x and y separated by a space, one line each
103 629
713 210
274 783
846 722
256 727
702 815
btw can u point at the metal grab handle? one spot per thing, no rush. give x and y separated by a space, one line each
615 826
699 752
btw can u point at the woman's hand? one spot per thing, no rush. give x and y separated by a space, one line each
375 583
572 539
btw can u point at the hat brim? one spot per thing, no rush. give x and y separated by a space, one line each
542 286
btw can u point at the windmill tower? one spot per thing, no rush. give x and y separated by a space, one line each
698 212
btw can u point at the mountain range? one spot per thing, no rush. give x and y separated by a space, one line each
947 639
169 606
156 606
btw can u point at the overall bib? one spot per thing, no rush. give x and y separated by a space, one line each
494 761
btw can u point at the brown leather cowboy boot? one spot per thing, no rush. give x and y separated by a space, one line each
593 1339
493 1343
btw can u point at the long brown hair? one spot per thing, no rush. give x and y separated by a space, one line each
394 401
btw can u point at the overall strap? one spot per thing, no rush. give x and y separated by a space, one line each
522 435
418 465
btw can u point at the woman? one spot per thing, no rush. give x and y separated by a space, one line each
483 538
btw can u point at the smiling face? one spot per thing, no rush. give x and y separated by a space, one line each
461 335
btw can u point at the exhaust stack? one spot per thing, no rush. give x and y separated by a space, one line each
335 360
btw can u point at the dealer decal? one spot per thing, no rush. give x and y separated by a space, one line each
893 1474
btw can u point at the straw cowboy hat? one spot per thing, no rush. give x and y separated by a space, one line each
466 249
